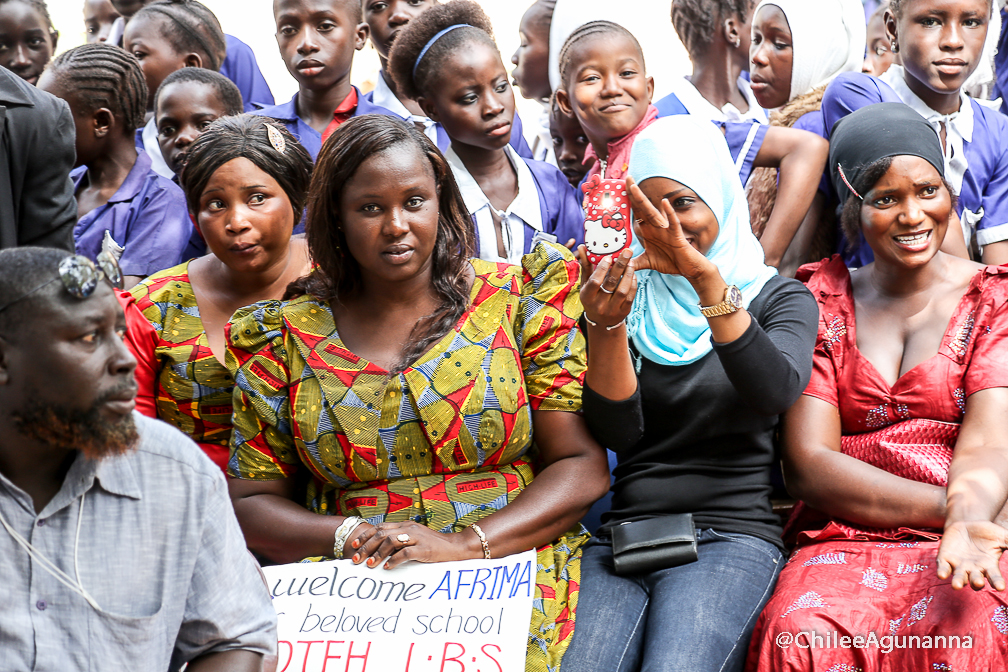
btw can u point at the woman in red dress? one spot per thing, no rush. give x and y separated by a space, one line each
899 447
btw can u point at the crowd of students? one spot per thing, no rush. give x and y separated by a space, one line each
376 314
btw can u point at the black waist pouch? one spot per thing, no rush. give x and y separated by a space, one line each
657 543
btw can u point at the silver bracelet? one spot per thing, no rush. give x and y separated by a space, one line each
343 532
609 328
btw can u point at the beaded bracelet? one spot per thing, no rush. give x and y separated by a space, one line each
483 540
343 532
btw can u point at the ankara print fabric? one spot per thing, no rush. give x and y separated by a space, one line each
193 389
445 443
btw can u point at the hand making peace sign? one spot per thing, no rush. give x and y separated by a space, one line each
666 248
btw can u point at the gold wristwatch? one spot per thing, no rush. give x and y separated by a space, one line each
732 302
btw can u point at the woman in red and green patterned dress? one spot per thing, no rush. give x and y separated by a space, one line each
429 400
245 182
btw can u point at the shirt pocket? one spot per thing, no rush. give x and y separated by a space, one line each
129 642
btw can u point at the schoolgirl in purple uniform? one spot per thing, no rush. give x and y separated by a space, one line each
447 61
119 196
940 43
387 18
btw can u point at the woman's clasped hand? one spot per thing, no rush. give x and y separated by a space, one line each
396 543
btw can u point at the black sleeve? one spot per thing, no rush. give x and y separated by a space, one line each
48 211
617 425
771 363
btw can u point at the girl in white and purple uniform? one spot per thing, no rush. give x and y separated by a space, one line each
940 43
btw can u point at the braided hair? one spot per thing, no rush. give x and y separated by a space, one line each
414 79
591 29
189 27
697 21
106 76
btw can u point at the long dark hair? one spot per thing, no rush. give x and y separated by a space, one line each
337 273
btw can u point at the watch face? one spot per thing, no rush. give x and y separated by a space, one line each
734 297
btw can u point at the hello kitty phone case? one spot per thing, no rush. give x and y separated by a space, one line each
607 218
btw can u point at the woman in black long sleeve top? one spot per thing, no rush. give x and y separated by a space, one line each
690 408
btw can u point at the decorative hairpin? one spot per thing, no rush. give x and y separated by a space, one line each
844 178
276 138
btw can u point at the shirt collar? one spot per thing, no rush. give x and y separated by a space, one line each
130 187
116 475
525 205
696 104
960 122
284 111
349 103
383 97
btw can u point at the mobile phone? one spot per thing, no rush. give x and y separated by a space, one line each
608 230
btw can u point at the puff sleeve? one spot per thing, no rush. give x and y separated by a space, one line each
988 324
262 444
552 347
142 340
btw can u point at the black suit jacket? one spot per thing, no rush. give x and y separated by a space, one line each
37 152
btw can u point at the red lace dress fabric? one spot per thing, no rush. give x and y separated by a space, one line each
870 599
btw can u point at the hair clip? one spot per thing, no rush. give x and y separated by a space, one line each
276 138
844 178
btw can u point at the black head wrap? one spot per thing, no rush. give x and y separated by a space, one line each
877 132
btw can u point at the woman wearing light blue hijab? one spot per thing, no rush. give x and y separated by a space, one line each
696 347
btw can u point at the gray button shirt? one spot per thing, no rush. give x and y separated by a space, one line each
160 552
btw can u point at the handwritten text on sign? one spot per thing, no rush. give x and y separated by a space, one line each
470 616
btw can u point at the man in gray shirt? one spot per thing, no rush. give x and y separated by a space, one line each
119 549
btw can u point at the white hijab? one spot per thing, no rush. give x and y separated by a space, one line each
827 36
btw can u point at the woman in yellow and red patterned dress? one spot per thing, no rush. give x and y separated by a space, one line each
431 395
246 188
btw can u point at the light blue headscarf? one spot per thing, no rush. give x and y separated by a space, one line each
665 322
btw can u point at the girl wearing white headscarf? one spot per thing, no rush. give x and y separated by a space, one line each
820 40
691 360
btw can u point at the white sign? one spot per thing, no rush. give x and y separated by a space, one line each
469 616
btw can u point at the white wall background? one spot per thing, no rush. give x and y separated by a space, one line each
252 22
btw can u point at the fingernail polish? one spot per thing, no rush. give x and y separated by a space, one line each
356 557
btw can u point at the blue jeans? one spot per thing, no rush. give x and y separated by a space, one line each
693 617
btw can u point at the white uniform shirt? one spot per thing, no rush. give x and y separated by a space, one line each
521 218
699 106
